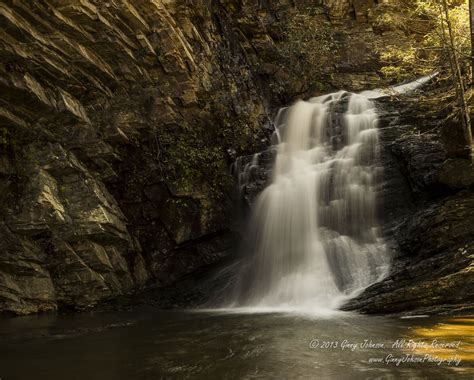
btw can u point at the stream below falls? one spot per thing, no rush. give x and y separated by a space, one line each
207 345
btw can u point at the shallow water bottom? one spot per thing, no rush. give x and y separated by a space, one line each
221 345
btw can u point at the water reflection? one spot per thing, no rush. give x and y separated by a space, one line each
227 346
450 341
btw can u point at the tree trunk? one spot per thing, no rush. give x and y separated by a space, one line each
456 68
471 23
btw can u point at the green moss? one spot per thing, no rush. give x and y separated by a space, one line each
191 163
4 137
194 159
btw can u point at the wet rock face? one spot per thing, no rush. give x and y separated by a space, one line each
436 273
422 157
116 123
427 215
253 174
65 238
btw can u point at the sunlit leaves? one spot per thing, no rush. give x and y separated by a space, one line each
431 53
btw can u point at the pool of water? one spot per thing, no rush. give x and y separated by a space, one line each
217 345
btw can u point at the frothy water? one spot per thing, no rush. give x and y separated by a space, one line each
401 88
313 240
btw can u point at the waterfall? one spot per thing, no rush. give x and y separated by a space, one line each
313 238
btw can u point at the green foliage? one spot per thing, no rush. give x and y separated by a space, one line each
430 52
307 39
6 139
8 142
307 43
190 162
389 20
3 137
444 48
196 160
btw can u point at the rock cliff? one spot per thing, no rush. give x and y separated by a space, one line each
119 121
426 209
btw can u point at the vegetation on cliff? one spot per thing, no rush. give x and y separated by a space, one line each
444 47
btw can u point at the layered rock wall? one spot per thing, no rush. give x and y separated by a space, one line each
119 120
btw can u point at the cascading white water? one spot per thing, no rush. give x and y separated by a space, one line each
313 238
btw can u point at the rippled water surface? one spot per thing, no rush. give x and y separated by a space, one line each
195 345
